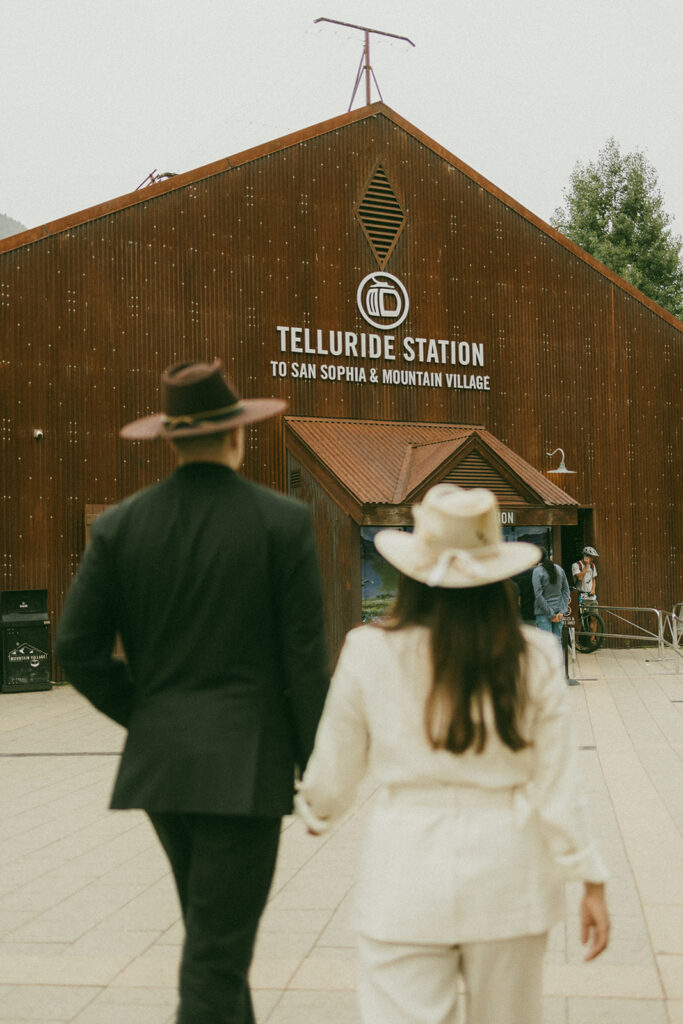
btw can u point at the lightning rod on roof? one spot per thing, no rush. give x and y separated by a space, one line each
365 67
154 177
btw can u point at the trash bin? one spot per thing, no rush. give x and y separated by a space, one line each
26 659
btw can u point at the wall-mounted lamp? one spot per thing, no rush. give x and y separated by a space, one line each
37 434
561 468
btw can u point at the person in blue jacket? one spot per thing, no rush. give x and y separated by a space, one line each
551 595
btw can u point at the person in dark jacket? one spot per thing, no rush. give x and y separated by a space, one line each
213 584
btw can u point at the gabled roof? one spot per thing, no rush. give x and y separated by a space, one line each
229 163
377 462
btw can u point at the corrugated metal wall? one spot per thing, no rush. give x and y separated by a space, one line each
91 315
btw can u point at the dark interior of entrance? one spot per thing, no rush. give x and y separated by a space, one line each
574 538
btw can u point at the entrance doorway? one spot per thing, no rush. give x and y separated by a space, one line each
575 538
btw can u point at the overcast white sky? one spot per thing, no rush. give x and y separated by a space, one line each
94 94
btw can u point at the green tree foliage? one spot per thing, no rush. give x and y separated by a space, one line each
9 226
614 210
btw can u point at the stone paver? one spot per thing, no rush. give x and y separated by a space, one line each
89 922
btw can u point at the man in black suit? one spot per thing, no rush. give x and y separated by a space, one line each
213 584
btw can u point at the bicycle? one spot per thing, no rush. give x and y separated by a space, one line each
591 632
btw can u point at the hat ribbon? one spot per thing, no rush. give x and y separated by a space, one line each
189 419
459 559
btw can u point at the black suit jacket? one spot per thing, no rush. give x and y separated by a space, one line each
213 584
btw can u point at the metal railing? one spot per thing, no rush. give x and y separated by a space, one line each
643 633
673 621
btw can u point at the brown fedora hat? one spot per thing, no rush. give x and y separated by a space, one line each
199 400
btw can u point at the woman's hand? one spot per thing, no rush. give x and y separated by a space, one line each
315 826
594 919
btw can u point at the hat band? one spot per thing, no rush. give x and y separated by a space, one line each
463 561
191 418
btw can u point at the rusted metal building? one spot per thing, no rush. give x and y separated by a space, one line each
422 324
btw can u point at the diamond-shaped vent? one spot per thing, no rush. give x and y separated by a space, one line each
381 216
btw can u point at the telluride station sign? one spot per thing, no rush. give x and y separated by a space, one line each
364 348
422 324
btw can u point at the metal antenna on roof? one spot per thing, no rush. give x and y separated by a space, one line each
365 67
154 177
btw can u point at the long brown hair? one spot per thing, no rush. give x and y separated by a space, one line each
549 566
477 649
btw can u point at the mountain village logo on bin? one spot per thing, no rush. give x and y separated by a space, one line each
382 300
27 653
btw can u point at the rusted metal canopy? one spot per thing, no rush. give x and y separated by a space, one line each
379 463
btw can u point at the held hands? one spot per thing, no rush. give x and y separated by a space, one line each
594 919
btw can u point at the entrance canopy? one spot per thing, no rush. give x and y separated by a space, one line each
376 470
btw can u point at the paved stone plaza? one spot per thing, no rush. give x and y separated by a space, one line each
89 922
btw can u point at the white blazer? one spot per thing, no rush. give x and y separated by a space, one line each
460 847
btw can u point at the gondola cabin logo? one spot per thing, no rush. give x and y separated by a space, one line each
382 301
27 654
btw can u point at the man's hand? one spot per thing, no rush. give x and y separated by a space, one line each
594 919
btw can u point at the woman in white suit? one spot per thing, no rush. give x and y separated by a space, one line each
461 714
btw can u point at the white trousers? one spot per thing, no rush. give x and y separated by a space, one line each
403 984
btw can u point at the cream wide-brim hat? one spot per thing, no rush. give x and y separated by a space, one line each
457 541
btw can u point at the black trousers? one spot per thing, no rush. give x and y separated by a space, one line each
223 866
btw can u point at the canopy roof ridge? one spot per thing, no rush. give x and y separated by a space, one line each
384 423
404 472
443 440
